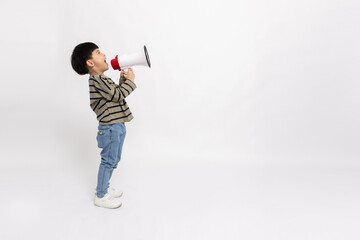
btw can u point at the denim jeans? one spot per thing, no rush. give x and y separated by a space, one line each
110 139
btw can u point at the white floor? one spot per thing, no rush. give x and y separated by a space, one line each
178 203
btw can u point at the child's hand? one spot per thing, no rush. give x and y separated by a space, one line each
122 78
129 75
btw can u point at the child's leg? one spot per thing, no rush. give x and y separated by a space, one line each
121 140
109 140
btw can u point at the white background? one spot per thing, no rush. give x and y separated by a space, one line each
248 104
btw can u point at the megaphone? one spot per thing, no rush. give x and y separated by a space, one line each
127 60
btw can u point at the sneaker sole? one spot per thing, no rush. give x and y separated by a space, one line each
109 207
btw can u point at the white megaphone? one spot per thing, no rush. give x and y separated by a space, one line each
127 60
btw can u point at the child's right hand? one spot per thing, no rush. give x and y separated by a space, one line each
130 74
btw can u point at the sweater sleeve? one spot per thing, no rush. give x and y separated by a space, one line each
112 91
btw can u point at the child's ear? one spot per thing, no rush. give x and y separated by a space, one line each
90 63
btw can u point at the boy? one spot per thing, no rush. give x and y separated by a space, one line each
107 100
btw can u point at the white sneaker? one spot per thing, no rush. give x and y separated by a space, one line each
107 201
113 192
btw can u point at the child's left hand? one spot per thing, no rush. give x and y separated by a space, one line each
122 78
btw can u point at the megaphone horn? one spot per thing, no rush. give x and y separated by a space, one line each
127 60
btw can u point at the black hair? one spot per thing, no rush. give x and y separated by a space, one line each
80 55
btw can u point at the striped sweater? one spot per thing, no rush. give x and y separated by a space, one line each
107 99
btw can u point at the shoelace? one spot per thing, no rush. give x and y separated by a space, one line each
110 197
107 197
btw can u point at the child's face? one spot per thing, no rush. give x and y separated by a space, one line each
97 64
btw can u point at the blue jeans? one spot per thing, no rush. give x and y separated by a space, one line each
110 139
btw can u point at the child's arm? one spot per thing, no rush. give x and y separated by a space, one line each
113 92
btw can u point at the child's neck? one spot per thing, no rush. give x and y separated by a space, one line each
95 72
